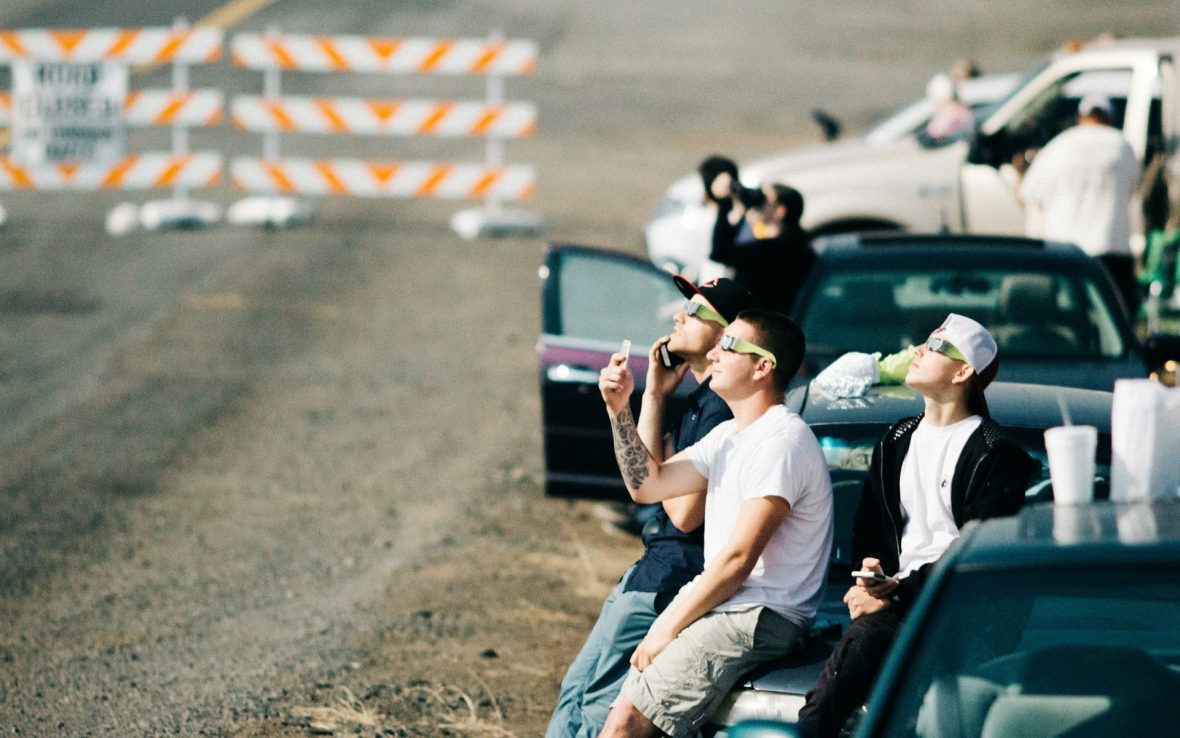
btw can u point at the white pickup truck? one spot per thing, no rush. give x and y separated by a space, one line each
965 186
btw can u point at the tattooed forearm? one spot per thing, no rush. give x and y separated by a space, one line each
630 452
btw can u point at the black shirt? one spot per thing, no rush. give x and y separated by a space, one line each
772 269
672 557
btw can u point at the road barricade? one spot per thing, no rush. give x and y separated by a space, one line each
61 108
274 179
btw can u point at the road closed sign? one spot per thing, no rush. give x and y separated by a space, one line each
68 112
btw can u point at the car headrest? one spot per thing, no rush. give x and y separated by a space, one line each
1028 298
868 300
1094 669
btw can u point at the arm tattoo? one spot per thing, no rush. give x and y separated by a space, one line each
630 452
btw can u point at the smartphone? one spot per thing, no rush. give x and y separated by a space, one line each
875 576
625 349
669 359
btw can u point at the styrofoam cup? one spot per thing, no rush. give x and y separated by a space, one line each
1070 449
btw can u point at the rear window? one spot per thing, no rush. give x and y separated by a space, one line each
1031 314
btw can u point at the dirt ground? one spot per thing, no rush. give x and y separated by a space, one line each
494 638
277 484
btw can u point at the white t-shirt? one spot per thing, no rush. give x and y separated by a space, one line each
927 471
1083 182
776 455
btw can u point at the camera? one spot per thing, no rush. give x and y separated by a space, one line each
750 197
711 167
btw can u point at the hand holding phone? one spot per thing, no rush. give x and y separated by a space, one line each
669 359
874 576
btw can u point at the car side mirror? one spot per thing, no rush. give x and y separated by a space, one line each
829 126
1161 348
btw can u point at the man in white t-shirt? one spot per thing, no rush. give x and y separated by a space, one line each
768 531
929 476
1080 188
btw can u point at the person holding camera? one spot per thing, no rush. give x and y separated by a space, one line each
757 233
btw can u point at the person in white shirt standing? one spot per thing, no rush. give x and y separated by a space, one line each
929 476
1080 189
768 531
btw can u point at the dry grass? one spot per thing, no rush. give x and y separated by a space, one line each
347 712
421 709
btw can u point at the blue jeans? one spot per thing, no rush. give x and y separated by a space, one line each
594 678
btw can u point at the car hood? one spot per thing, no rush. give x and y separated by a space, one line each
853 152
866 177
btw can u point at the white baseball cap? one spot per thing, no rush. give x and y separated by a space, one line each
971 339
978 349
1093 103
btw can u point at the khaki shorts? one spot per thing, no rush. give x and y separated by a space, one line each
682 687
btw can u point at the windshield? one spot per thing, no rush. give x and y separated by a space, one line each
848 450
848 447
1053 647
1031 314
981 94
1016 88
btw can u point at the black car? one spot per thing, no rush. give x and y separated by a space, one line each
847 429
1061 622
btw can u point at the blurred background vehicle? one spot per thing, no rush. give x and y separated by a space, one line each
967 185
847 429
678 235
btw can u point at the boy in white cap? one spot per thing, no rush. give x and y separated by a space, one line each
929 476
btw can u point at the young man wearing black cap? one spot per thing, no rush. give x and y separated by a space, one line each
928 477
673 543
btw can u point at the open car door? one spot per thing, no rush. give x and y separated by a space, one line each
591 300
1036 113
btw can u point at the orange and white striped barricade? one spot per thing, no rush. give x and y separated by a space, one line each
179 108
492 119
408 179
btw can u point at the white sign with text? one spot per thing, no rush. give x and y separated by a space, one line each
68 112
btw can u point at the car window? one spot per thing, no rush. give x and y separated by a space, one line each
1012 645
601 297
1055 108
1031 314
849 447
